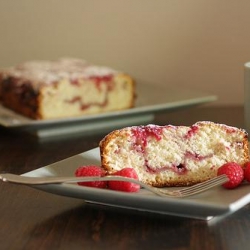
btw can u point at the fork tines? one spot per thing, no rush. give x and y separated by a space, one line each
204 185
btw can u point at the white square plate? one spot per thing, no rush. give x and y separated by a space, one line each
216 202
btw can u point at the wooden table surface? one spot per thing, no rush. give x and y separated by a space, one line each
33 219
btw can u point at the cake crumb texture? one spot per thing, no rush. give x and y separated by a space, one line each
174 155
66 87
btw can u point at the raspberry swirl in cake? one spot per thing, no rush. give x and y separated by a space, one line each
174 155
64 88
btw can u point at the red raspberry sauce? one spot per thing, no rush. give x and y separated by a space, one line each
142 133
180 169
103 79
193 130
98 80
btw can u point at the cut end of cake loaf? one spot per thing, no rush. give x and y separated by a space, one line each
64 88
174 155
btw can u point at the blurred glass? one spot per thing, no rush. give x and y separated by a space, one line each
247 96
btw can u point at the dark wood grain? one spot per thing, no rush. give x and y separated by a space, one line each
32 219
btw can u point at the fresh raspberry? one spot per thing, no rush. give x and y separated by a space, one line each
123 185
89 171
247 171
234 172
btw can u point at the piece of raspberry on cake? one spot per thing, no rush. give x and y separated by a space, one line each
174 155
64 88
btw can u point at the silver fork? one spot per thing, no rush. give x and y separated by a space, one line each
178 193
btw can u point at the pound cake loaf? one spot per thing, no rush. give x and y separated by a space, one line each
174 155
64 88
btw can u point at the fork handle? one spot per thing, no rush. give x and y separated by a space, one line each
28 180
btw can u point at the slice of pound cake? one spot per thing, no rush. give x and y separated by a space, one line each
174 155
64 88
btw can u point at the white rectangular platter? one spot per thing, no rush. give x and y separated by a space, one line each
217 202
151 98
